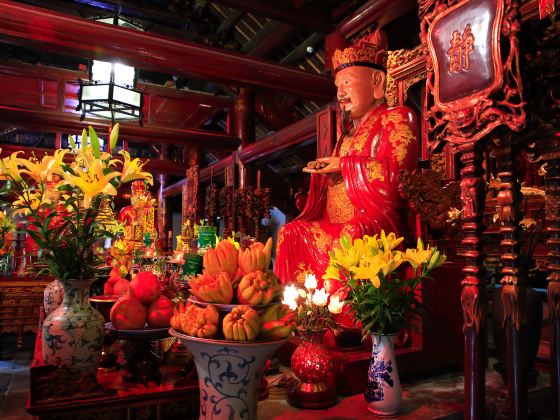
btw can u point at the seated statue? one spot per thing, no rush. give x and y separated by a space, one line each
139 218
355 191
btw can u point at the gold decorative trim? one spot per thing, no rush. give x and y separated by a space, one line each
374 171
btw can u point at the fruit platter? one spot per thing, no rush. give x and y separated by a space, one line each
233 322
236 298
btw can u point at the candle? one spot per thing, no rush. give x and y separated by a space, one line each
259 179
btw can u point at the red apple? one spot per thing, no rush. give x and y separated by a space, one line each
160 313
128 314
145 287
121 287
107 289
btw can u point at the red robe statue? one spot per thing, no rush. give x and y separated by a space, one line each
362 199
357 193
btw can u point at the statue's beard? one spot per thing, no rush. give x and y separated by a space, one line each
345 122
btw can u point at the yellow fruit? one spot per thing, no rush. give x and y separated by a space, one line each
241 324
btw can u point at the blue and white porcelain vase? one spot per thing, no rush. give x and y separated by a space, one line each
53 295
73 333
229 375
383 390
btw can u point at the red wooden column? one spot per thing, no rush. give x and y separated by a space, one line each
243 124
474 299
162 210
514 280
243 117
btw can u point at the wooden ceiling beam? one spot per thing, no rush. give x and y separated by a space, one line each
380 11
65 122
307 17
271 37
40 28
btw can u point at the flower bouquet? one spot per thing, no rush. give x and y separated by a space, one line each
311 362
385 299
63 196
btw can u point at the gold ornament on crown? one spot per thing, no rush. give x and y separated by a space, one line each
370 49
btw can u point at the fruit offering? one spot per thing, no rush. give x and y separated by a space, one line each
195 321
258 288
255 257
254 291
141 303
212 288
278 321
241 324
222 258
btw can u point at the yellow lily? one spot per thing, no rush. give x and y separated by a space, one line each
132 169
92 181
368 270
331 273
388 261
389 242
9 167
42 171
346 259
417 257
30 199
436 260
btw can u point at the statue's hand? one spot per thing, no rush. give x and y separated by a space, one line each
326 165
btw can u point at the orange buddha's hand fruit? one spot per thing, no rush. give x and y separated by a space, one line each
241 324
197 322
222 258
212 288
256 257
278 321
258 288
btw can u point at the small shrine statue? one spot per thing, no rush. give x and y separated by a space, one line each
139 218
355 191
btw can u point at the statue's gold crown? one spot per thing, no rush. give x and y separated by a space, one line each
369 51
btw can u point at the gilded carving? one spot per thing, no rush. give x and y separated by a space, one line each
374 171
321 239
461 48
400 135
339 207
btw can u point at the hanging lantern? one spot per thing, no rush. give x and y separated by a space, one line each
110 92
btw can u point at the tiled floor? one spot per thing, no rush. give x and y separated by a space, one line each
14 378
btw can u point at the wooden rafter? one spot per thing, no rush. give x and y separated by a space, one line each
36 27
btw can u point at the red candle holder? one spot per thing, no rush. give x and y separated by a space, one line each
311 364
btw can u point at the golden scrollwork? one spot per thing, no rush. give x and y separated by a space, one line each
280 236
437 163
339 206
320 237
302 270
374 171
400 134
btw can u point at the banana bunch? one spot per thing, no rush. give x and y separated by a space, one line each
212 288
256 257
241 324
278 321
195 321
222 258
258 288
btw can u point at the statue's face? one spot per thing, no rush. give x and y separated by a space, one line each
359 89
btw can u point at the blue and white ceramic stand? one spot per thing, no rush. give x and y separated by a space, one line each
229 375
383 390
73 332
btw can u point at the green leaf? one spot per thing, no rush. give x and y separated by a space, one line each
84 139
113 138
94 140
72 142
